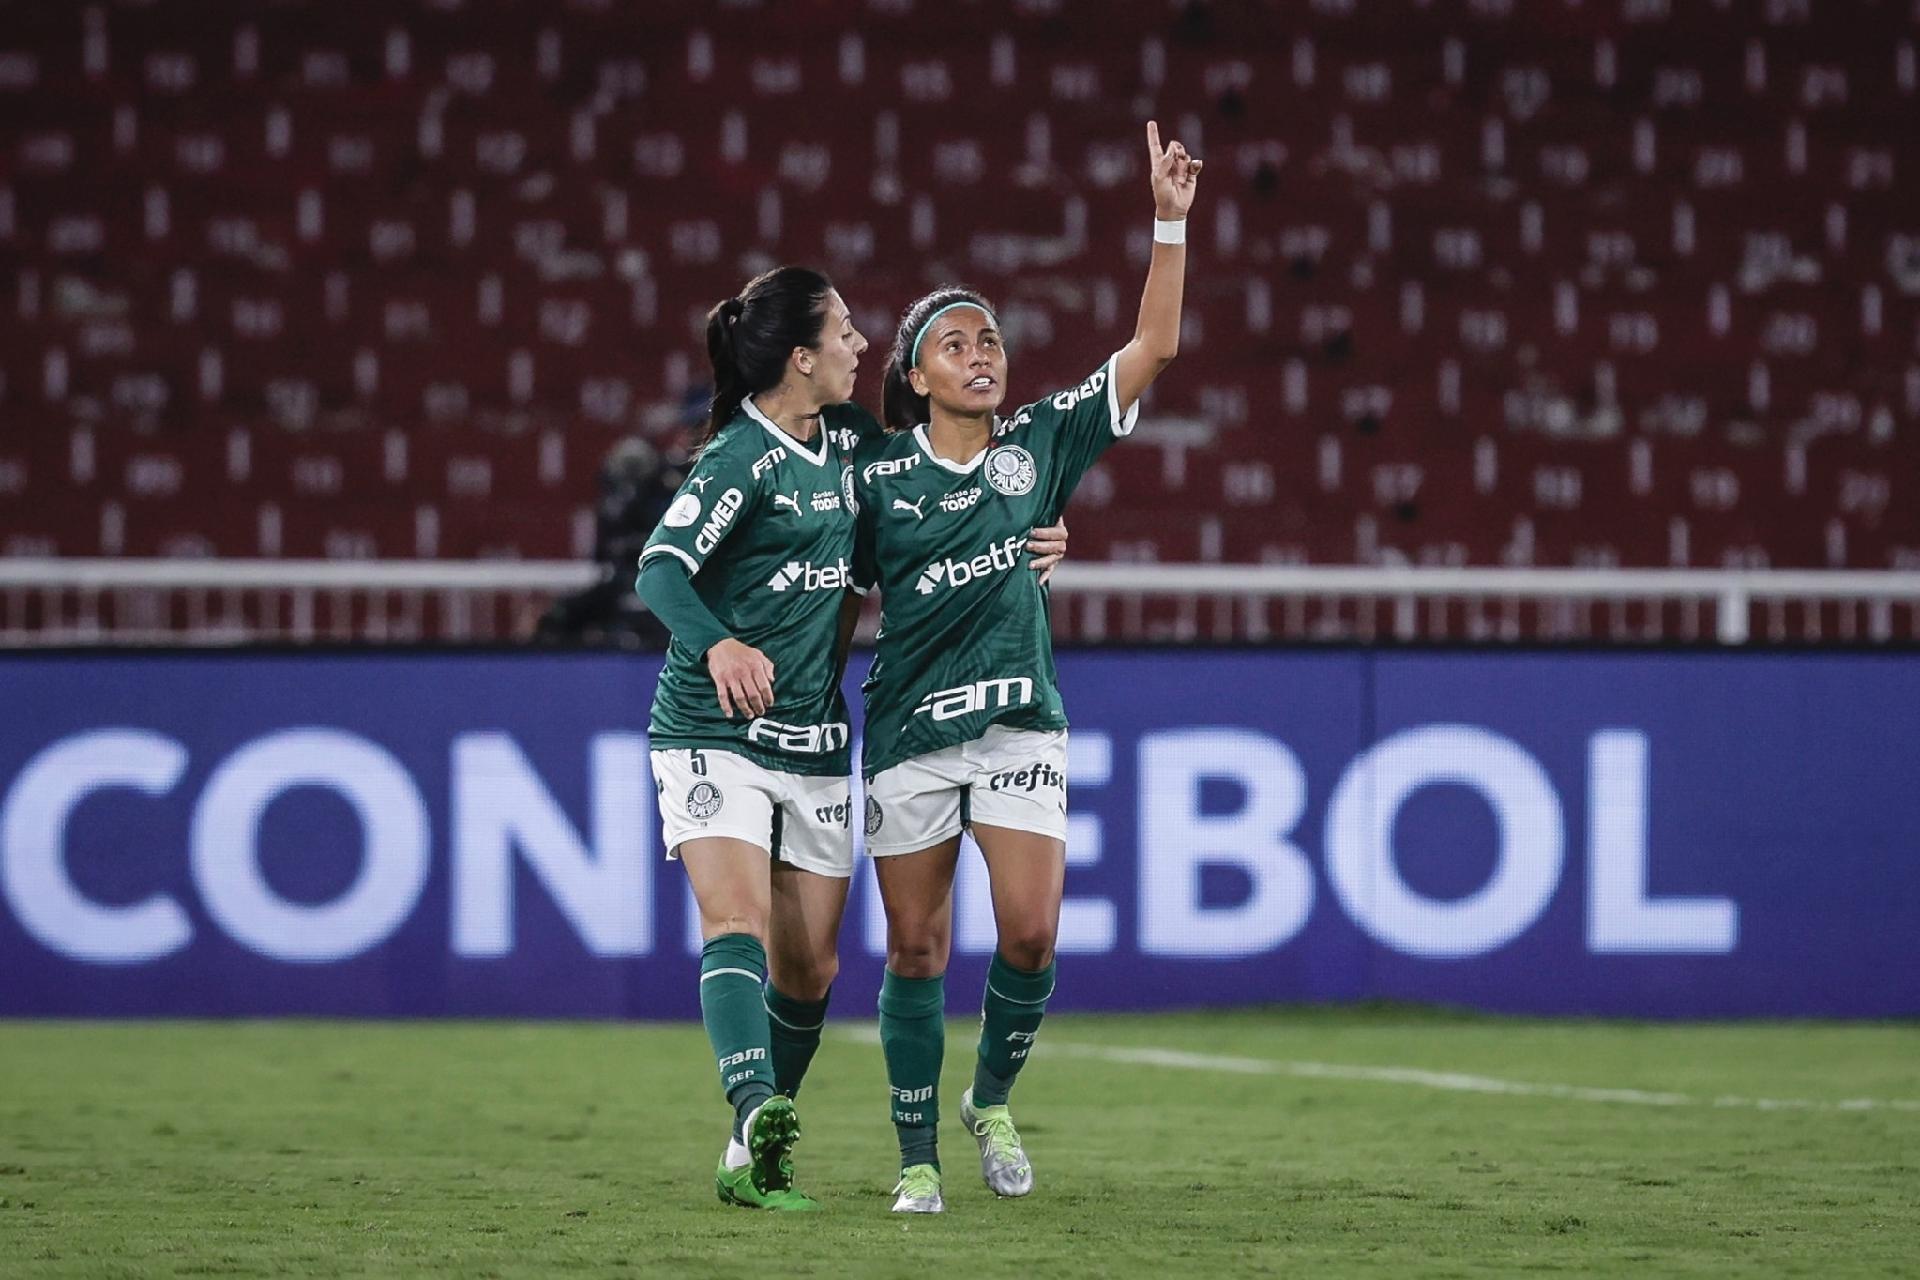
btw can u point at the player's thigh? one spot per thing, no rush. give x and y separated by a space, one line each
1028 873
730 884
803 932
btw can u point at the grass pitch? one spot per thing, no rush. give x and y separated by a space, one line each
1306 1142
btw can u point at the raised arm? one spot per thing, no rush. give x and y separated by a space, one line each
1156 337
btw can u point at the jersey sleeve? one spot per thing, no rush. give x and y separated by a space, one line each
1080 423
866 565
710 505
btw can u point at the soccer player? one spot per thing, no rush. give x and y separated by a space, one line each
964 726
748 569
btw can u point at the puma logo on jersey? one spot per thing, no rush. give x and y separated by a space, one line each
701 482
901 504
998 558
791 500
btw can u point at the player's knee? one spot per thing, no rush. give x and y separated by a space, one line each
917 956
1028 947
809 978
751 923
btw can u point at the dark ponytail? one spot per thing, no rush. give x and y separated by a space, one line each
901 406
750 336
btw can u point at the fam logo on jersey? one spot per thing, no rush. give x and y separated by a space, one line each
874 815
981 695
801 573
704 801
889 467
998 558
812 739
1010 470
684 511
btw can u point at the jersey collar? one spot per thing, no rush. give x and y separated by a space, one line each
818 457
958 468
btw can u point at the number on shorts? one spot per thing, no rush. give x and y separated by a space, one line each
697 761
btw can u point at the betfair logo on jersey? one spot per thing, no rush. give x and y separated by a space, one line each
890 467
998 558
1065 400
801 575
981 695
724 511
1028 779
806 739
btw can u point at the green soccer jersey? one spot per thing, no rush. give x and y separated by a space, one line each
964 637
764 525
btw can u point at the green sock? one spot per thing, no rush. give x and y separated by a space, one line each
1010 1015
732 967
795 1025
913 1036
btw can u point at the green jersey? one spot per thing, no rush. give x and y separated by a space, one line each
764 526
965 641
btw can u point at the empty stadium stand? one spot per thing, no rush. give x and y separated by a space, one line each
1473 282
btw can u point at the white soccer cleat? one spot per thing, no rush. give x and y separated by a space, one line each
919 1189
1003 1161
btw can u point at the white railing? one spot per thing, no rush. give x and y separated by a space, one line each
80 601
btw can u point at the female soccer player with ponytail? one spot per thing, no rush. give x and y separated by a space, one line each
749 569
964 726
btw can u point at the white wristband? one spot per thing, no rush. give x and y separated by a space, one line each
1169 230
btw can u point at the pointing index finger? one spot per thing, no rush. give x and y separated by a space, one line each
1153 140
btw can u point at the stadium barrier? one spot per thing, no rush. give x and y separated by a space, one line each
73 601
1697 833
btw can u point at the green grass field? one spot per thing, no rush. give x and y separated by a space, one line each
1304 1142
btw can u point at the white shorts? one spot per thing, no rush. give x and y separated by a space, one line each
797 818
1005 778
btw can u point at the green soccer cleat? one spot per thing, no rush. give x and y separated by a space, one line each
919 1189
1003 1161
771 1130
735 1187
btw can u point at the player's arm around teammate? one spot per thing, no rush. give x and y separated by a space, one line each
964 726
749 729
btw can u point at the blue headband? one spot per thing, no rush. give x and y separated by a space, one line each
914 358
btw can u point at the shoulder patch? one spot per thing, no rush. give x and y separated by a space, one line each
684 511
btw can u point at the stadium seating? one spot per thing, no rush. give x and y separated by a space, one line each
1473 281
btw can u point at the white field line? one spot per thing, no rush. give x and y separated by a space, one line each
1448 1081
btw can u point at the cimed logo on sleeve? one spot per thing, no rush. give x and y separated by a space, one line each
1010 470
684 511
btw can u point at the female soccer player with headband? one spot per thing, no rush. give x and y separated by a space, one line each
749 570
964 726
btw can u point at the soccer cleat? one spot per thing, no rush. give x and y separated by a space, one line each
1003 1162
735 1187
919 1189
771 1130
